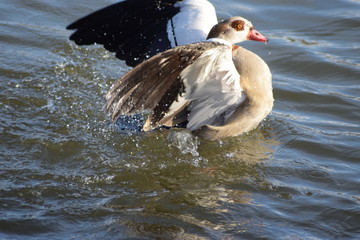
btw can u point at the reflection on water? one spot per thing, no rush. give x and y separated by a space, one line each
183 193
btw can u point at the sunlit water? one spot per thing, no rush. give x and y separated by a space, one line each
67 173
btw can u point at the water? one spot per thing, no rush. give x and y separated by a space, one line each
67 173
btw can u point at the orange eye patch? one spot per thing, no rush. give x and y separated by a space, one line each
238 25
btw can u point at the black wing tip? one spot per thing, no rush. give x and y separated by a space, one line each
77 40
71 26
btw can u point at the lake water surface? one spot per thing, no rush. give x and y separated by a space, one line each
67 173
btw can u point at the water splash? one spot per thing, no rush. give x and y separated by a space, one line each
184 141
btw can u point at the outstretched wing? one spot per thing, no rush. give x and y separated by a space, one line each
139 29
154 84
134 29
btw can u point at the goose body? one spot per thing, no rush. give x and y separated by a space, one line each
217 88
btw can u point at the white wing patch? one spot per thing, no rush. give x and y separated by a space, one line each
212 84
196 18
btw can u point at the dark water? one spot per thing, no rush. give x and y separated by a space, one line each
67 173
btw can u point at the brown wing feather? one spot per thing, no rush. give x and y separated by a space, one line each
153 84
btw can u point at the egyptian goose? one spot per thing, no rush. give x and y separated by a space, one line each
217 88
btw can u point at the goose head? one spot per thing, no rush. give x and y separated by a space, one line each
235 30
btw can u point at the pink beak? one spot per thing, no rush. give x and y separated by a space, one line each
256 36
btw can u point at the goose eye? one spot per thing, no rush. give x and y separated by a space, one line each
238 25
